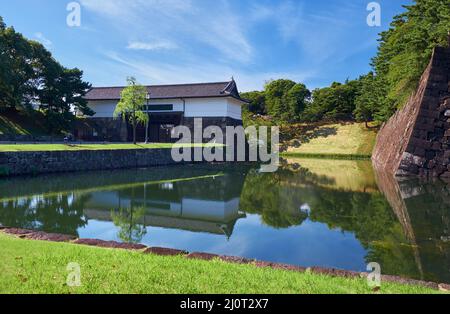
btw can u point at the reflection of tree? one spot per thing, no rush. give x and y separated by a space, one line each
278 205
128 220
61 213
278 198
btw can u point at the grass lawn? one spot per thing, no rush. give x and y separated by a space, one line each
79 147
40 267
351 140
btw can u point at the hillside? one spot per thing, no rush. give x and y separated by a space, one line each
351 140
18 123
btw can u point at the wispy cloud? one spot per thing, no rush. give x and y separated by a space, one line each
43 40
320 34
213 24
156 45
154 72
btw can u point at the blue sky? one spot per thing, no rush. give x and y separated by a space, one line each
184 41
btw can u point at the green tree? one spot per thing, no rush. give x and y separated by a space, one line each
60 91
336 102
31 77
131 105
405 49
285 100
257 101
17 75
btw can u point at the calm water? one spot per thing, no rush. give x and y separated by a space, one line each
310 213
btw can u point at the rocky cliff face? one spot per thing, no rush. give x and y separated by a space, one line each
416 140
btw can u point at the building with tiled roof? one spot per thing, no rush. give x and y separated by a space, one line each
168 106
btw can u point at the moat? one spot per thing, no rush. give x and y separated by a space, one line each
337 214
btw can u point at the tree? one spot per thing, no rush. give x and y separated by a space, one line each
257 101
405 49
16 68
60 91
131 105
285 100
336 102
371 103
30 77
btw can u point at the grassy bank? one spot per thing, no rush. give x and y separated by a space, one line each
334 141
14 122
80 147
40 267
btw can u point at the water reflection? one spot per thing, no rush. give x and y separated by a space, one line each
311 212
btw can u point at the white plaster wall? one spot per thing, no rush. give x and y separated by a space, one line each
234 109
103 108
206 107
195 107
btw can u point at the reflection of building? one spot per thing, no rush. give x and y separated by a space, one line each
191 206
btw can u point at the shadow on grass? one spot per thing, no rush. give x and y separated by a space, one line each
299 134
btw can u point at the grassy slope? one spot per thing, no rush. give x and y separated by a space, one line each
40 267
19 123
350 139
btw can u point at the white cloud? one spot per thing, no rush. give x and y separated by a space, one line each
43 40
153 72
156 45
213 23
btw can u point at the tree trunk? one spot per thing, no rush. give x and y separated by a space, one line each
134 129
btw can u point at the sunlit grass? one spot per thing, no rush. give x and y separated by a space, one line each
40 267
334 140
81 147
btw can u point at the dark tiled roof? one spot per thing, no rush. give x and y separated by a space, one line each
199 90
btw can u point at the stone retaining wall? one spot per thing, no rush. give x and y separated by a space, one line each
26 163
416 140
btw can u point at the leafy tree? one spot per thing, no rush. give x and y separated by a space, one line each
336 102
131 104
31 77
285 99
60 91
257 101
16 68
371 103
405 49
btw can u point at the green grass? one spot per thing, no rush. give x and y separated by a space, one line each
40 267
81 147
345 140
21 123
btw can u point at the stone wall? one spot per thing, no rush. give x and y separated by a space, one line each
31 163
101 129
416 140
